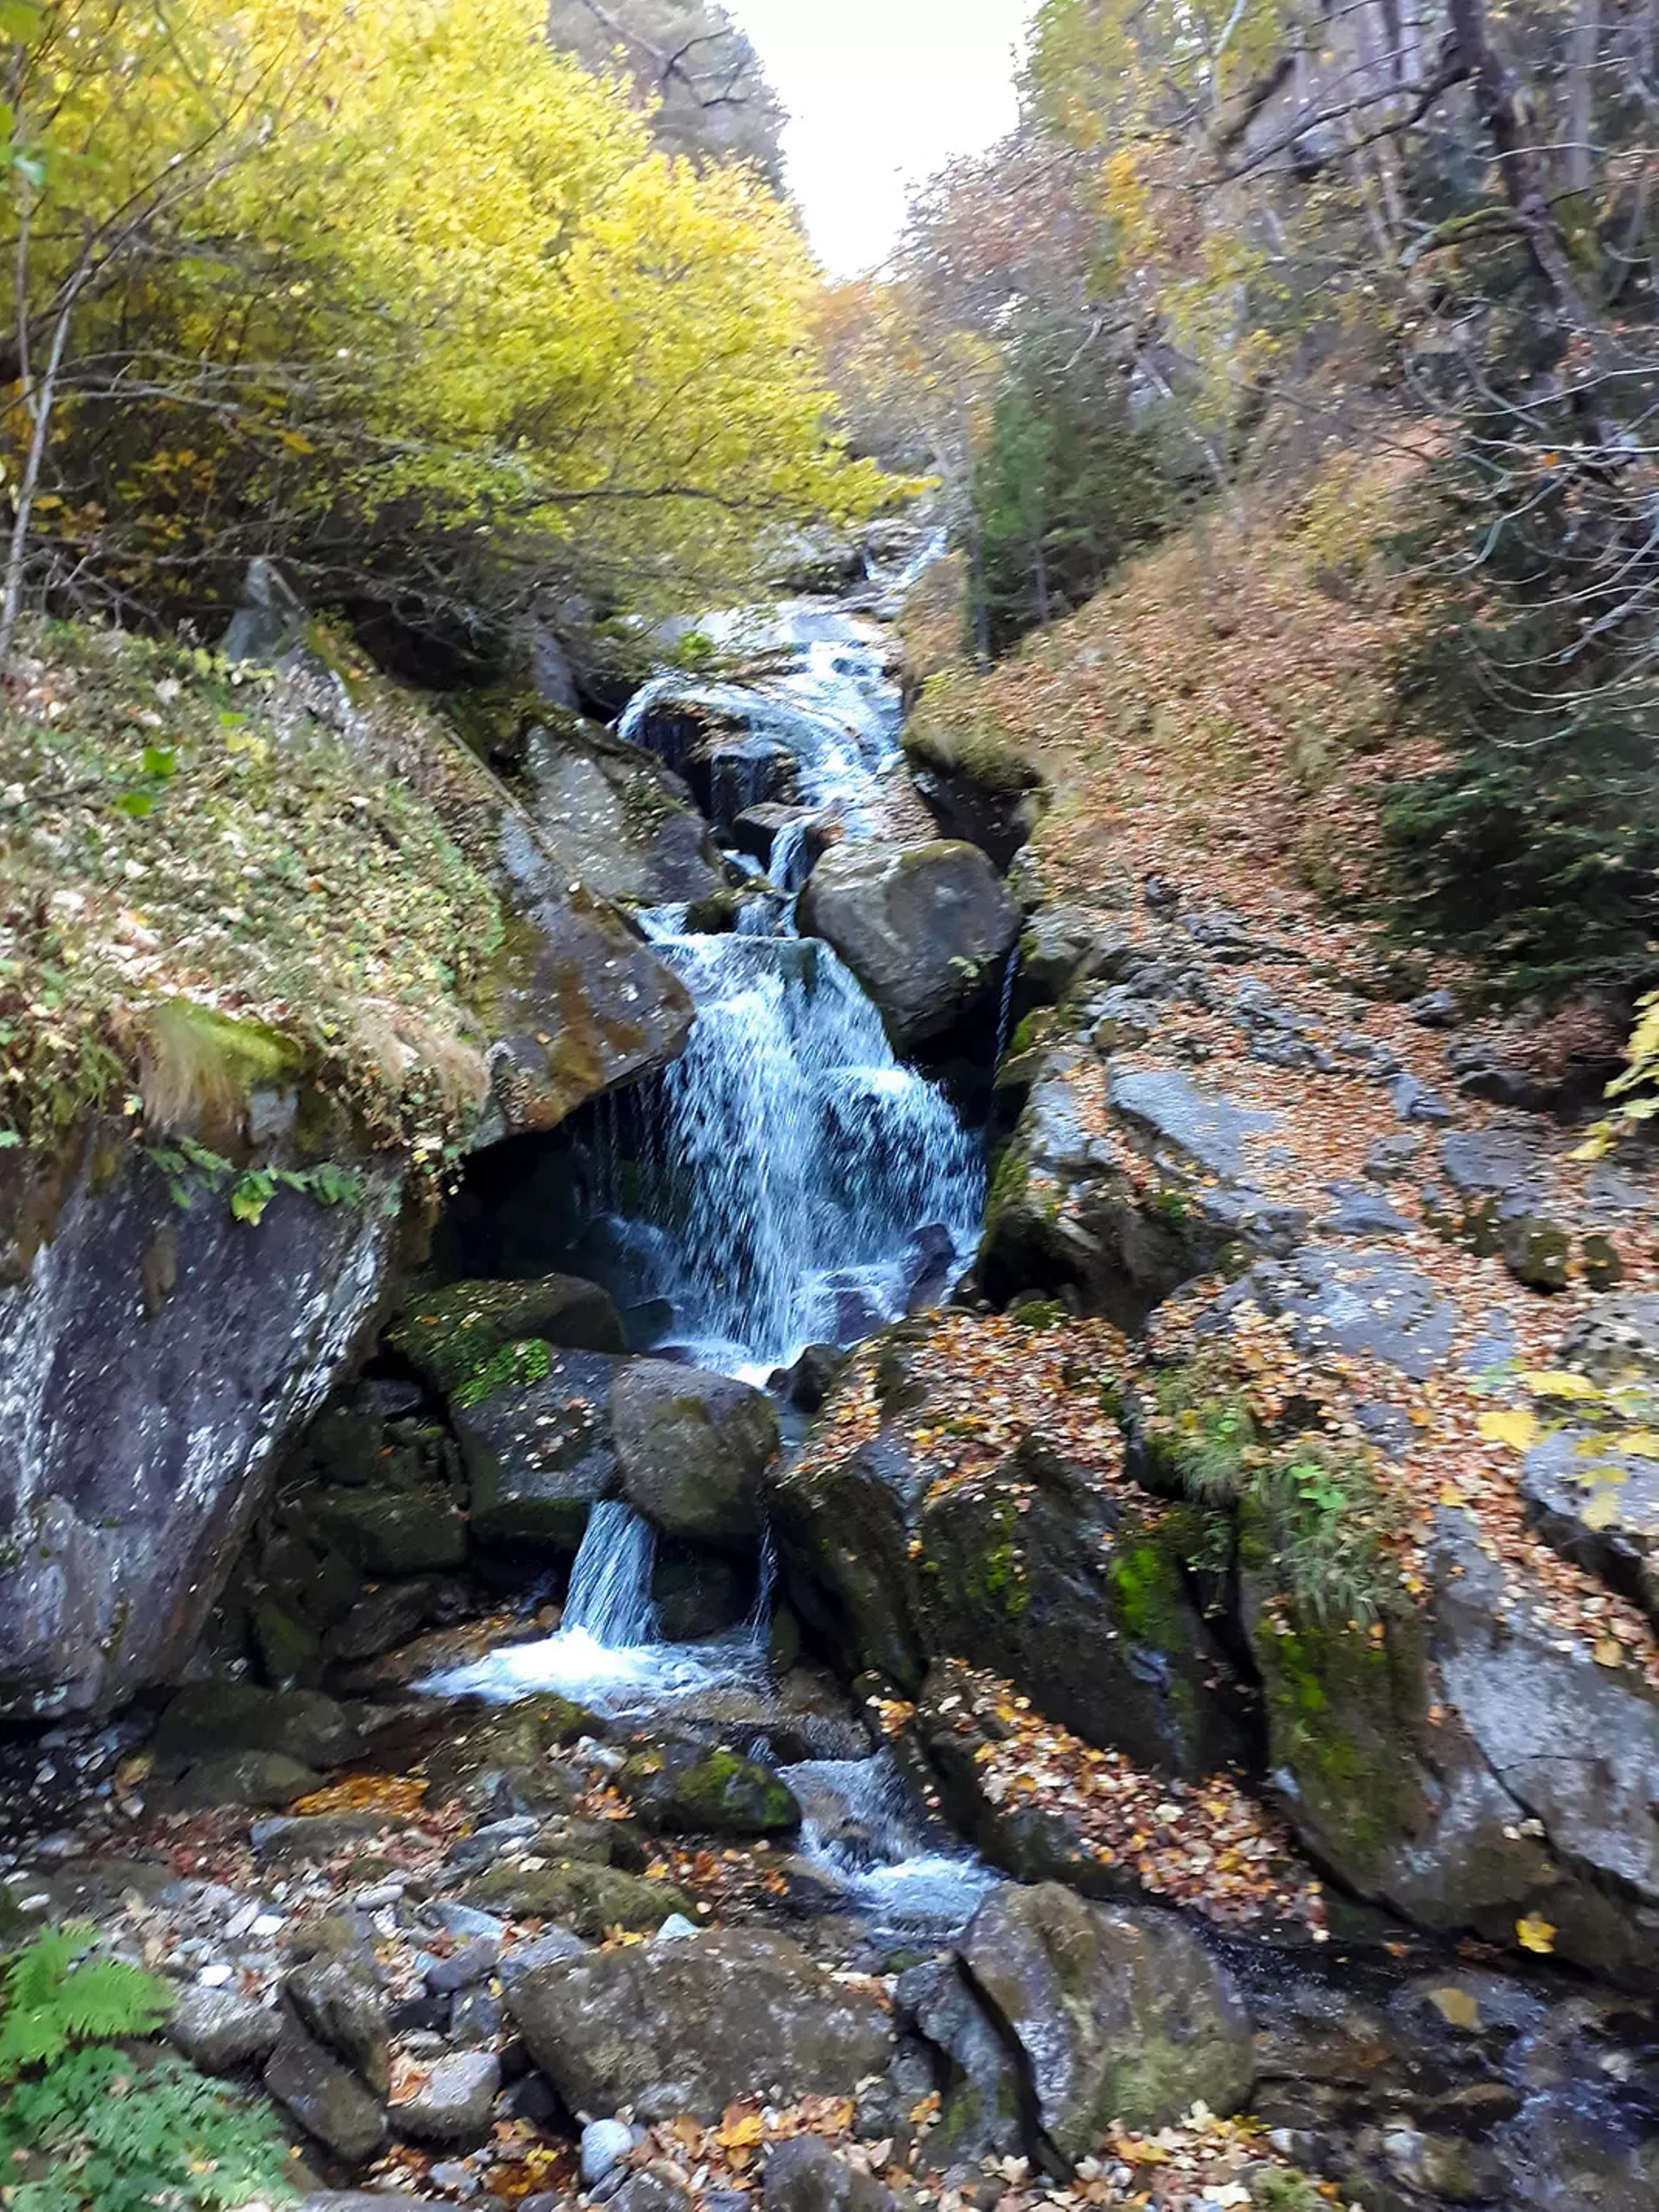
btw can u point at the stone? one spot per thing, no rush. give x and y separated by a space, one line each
383 1619
551 1950
1616 1341
757 829
658 2189
592 1898
734 2015
341 2003
211 1720
1435 1009
1120 2015
691 1448
1498 1163
1338 1300
685 1789
221 2031
1207 1129
504 1764
1391 1159
475 2019
981 2115
328 2100
578 1002
1067 1217
261 1781
315 1835
391 1532
606 2145
805 2175
472 1963
1415 1102
613 816
450 1336
455 2103
1537 1252
141 1432
539 1455
925 928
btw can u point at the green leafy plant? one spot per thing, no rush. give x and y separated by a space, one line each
513 1367
52 2003
88 2126
190 1166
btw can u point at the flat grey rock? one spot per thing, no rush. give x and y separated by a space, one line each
1205 1127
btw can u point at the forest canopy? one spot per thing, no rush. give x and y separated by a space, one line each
397 293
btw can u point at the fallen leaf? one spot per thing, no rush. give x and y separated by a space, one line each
1535 1936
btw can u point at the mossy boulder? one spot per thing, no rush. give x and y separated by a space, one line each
538 1453
259 1781
506 1764
616 818
580 1894
691 1449
1083 1601
685 1789
451 1335
213 1720
1121 2016
700 1593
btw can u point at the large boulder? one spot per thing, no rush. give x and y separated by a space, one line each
691 1449
451 1335
717 2018
538 1453
577 1003
159 1355
615 819
1121 1217
926 929
1067 1579
506 1764
1118 2015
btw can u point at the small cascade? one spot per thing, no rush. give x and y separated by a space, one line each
862 1825
609 1596
814 1174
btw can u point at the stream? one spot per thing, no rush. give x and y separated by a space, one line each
798 1184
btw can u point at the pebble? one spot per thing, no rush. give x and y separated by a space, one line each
381 1895
606 2144
450 2174
676 1929
214 1977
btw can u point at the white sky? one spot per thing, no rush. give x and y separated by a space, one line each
883 93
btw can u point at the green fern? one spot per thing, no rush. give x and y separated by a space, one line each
85 2126
51 2004
95 2133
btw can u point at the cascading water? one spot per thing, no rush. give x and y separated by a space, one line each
796 1138
795 1183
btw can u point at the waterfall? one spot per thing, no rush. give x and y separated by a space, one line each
787 1181
817 1177
610 1595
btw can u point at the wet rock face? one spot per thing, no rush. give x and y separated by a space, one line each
925 928
691 1449
714 2017
615 819
579 1005
154 1360
1117 2014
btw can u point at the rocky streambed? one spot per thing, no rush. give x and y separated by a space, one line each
737 1686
